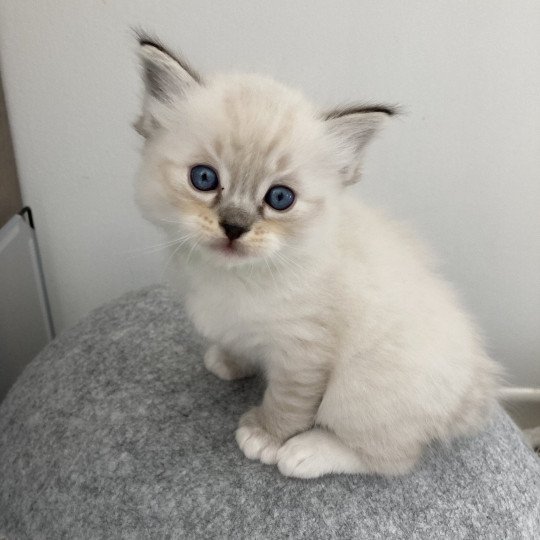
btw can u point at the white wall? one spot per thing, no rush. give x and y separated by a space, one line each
462 164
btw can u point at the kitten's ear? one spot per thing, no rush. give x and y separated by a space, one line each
166 79
355 127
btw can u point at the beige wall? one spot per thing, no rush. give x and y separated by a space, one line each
10 194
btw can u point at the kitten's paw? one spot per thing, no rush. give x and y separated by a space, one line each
221 365
316 452
300 460
255 441
257 444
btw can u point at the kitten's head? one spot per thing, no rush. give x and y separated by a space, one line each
240 168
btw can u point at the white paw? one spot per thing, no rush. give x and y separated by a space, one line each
256 443
216 362
254 440
300 459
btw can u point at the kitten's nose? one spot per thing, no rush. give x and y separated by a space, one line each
233 231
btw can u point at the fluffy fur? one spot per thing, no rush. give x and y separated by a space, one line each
367 353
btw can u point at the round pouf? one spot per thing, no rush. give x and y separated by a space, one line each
116 430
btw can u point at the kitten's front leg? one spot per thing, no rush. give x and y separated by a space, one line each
225 366
289 407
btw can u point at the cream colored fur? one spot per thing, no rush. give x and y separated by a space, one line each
367 353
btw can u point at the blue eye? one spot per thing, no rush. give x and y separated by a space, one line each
204 178
279 197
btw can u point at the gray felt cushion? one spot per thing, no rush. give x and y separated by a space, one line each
117 431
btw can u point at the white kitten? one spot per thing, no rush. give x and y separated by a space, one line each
367 354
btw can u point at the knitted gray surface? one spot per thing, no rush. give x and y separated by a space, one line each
117 431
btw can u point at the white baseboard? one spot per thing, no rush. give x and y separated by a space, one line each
523 405
520 394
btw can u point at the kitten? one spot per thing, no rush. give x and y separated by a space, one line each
368 355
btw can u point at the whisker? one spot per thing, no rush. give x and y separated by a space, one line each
298 270
270 270
173 253
156 247
288 260
170 221
191 250
279 273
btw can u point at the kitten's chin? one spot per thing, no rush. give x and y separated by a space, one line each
229 253
226 253
229 249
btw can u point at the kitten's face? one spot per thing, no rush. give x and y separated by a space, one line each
242 174
238 169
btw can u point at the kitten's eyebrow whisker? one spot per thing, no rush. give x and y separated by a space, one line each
212 153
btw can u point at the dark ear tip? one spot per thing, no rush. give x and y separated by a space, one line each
145 39
143 42
390 110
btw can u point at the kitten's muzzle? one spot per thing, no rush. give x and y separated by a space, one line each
232 230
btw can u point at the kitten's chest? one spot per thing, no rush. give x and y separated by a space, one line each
237 317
